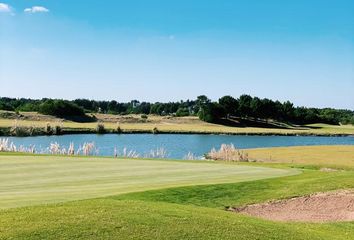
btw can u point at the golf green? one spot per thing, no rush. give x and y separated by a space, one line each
33 180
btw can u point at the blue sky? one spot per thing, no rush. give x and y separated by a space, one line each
160 50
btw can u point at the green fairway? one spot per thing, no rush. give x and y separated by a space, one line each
32 180
195 212
154 199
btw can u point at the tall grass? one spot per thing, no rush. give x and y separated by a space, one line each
228 152
87 149
191 156
19 130
6 146
157 153
55 129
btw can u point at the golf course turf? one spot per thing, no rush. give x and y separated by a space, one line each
165 199
33 180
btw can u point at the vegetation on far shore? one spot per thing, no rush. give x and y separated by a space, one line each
31 124
225 109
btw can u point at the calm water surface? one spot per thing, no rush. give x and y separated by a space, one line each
177 146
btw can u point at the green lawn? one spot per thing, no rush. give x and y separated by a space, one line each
184 212
31 180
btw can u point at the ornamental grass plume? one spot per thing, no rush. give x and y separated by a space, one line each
228 152
157 153
191 156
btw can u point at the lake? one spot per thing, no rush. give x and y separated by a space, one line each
176 145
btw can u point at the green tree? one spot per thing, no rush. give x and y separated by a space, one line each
229 104
245 105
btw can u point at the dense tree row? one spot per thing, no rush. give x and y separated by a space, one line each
247 106
227 107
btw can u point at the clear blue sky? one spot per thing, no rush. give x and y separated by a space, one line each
160 50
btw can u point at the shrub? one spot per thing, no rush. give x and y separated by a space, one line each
144 116
48 129
155 130
60 108
20 131
57 130
182 112
100 129
228 153
119 129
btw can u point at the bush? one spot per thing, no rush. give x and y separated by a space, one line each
155 130
182 112
60 108
48 129
57 130
28 107
100 129
228 153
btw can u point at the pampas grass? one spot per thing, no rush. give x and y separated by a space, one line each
7 146
157 153
191 156
87 149
228 152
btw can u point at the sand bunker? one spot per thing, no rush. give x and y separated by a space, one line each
320 207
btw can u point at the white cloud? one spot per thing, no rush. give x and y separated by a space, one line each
5 8
36 9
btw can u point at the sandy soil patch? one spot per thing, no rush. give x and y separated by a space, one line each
319 207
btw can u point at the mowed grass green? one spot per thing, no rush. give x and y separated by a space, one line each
32 180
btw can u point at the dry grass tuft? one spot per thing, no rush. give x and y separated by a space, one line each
191 156
158 153
228 152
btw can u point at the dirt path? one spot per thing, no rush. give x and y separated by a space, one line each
320 207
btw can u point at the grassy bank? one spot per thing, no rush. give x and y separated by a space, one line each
340 157
157 199
158 124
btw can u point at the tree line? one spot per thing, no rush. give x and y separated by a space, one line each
245 106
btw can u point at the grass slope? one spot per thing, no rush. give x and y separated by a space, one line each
173 214
111 219
31 180
239 194
187 212
325 156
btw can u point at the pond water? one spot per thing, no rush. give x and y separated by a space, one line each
176 145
